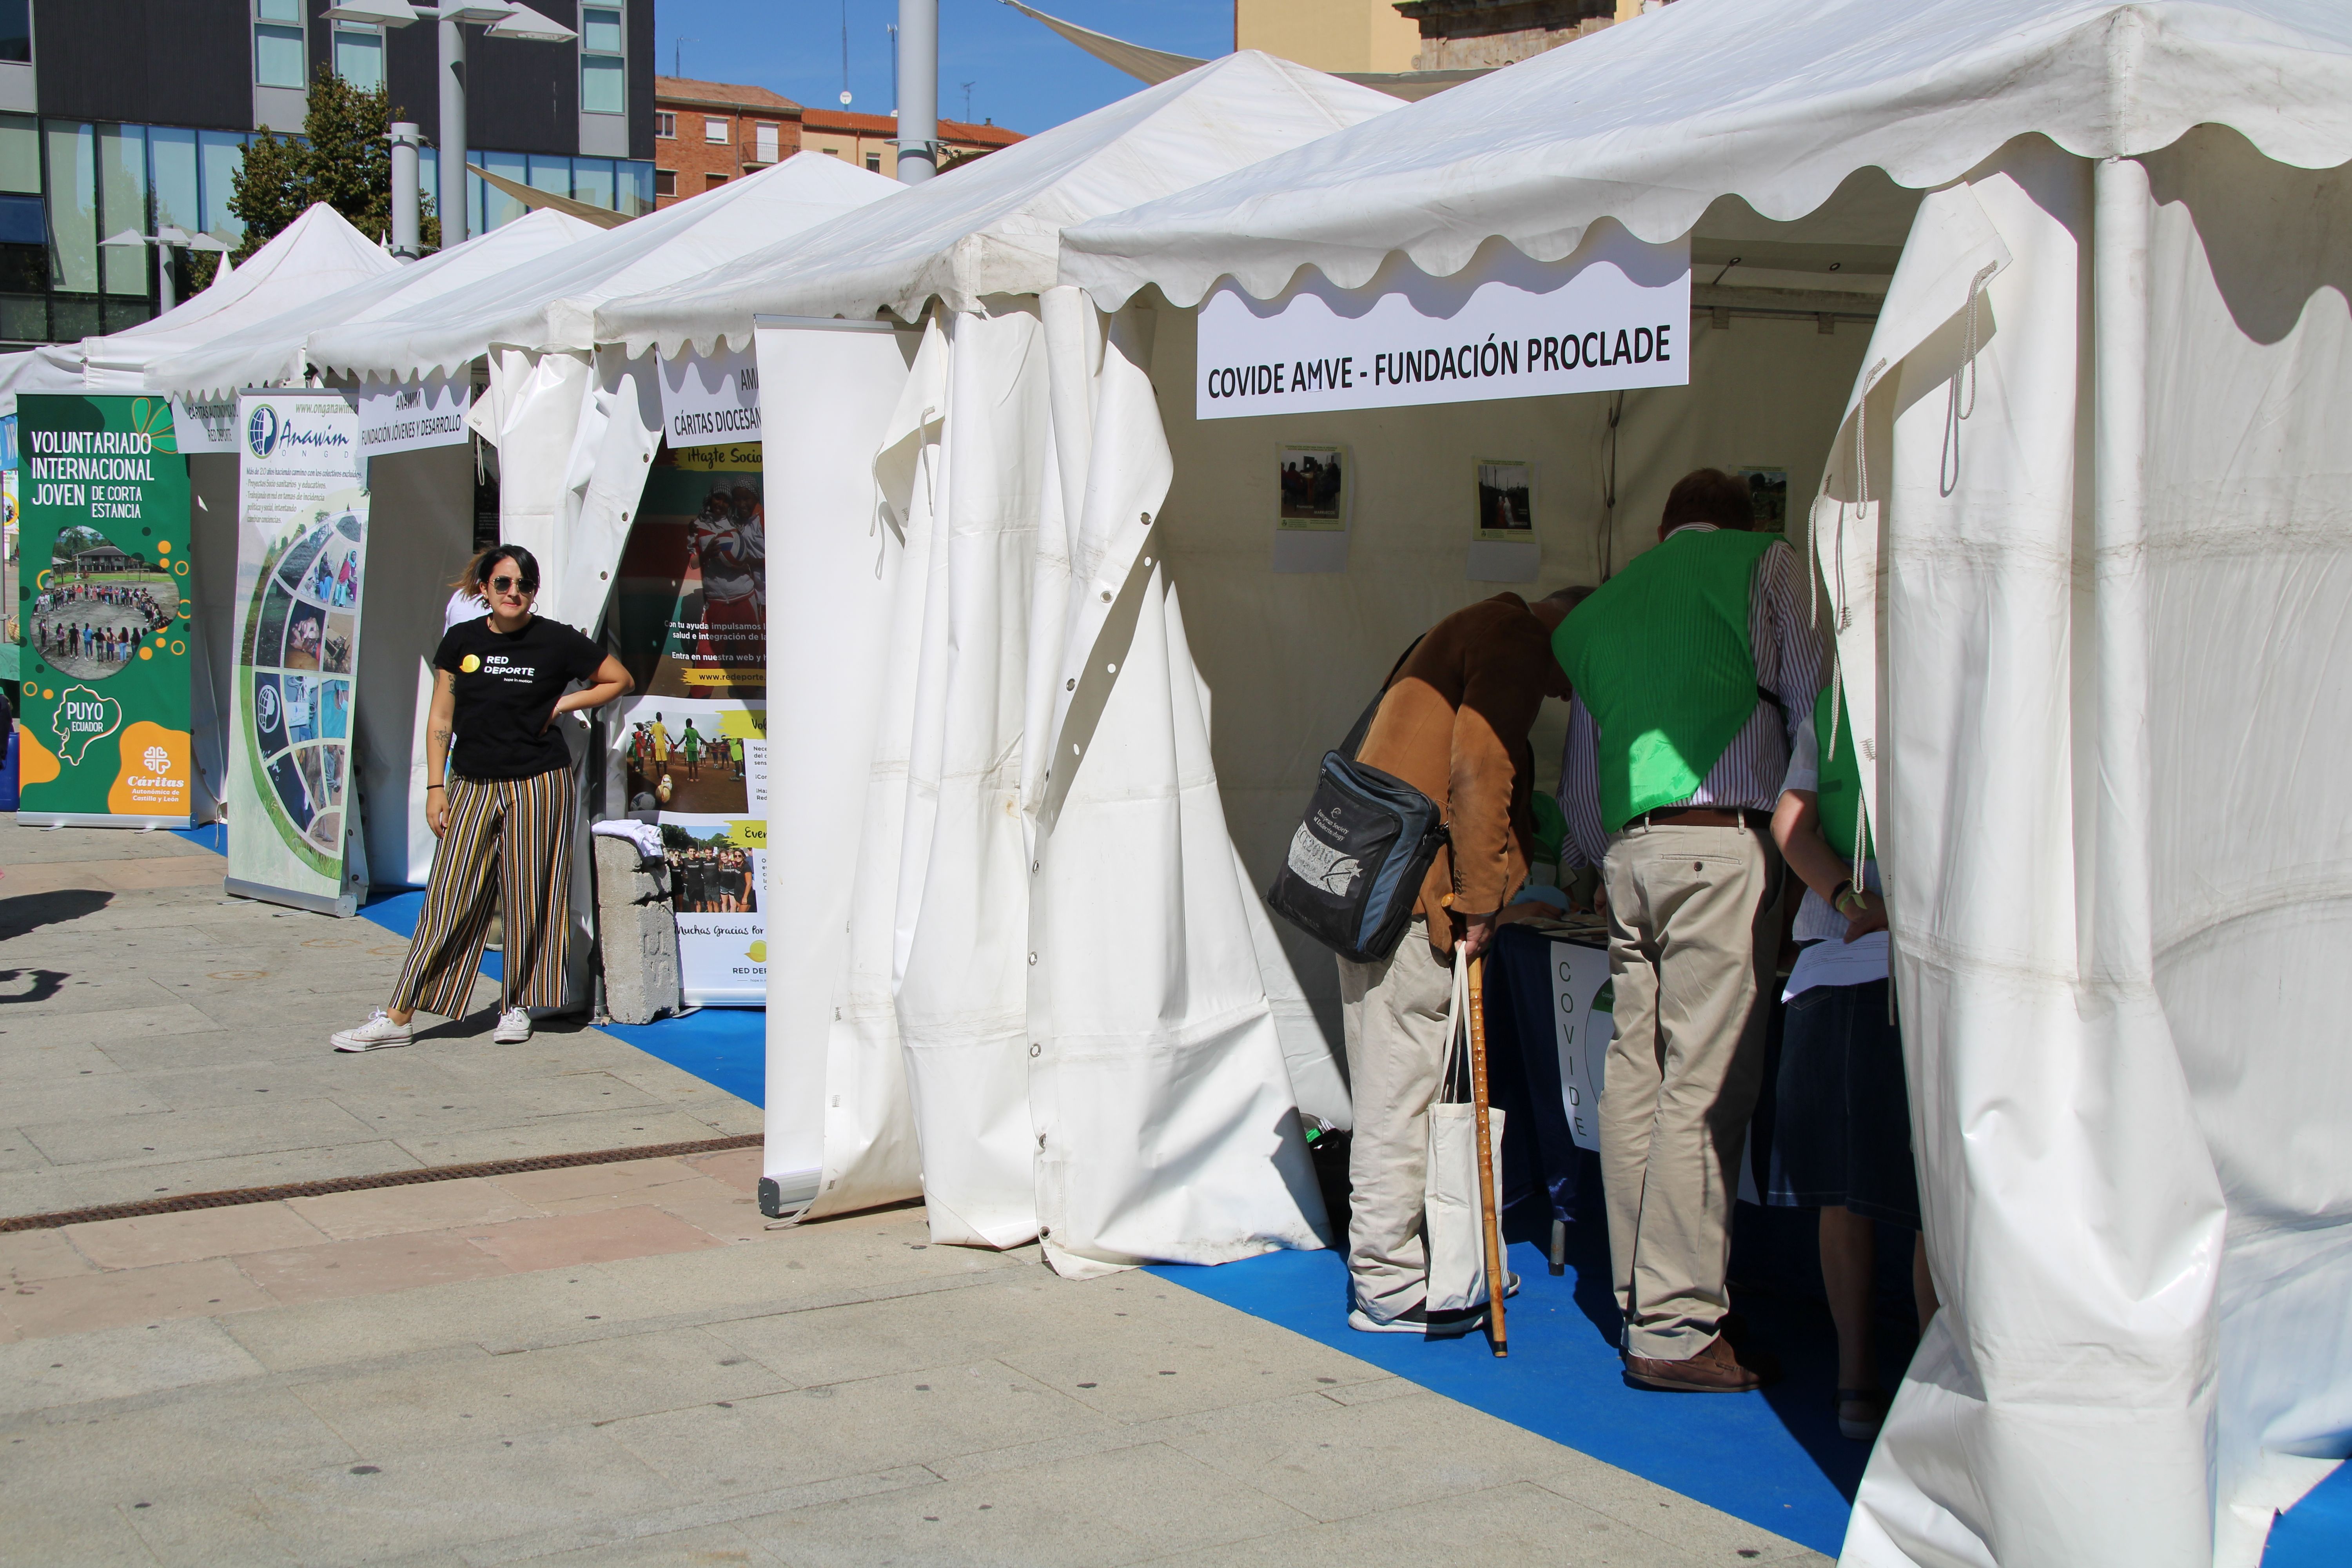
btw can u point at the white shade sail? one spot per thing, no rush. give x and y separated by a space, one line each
549 304
993 227
1649 122
274 351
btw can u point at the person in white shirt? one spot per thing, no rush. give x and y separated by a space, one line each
1842 1121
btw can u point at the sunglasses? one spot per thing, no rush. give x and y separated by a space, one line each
511 585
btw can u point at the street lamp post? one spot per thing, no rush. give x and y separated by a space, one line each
165 240
498 19
919 91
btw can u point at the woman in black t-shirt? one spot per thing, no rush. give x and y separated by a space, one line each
500 805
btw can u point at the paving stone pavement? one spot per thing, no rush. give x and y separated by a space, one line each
159 1038
622 1364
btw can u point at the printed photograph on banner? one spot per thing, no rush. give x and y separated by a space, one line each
691 613
301 728
1313 486
1506 504
1767 494
698 756
102 606
718 869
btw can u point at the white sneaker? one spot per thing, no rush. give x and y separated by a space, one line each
514 1026
379 1033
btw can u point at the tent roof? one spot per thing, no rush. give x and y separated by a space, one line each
993 227
317 254
272 351
1775 102
550 303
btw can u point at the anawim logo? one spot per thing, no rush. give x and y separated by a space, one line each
261 430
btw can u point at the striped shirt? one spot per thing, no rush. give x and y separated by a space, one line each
1788 654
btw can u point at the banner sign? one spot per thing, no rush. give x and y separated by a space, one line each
1583 1023
302 552
1615 314
106 608
710 402
691 753
206 425
410 415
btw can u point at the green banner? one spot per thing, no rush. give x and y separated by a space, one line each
105 609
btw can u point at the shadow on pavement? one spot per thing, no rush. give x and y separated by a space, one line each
28 912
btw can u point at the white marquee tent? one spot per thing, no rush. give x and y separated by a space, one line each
425 498
548 409
2088 504
977 989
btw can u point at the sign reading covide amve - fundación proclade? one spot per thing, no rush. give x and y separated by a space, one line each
107 612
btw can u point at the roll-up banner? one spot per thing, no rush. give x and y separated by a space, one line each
691 750
105 601
1614 314
106 606
302 557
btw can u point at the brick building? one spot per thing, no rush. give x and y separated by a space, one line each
869 139
708 132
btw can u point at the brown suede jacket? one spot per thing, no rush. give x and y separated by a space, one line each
1453 723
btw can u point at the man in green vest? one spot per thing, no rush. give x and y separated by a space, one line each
1692 668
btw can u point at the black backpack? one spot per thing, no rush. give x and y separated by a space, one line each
1354 869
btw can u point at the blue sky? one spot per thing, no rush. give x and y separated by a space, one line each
1020 75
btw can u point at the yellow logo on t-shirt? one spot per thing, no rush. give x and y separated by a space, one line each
470 663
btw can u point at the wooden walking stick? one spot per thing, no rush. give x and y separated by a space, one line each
1490 1230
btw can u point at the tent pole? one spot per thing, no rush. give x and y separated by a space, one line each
2117 932
1490 1223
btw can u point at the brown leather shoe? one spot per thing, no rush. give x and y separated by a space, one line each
1715 1370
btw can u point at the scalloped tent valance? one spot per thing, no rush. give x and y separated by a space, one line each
1773 102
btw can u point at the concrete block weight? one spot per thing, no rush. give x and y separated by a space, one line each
638 935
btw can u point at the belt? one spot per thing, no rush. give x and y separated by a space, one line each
1702 816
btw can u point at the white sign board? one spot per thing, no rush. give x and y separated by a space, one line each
710 402
1615 314
410 415
1582 1026
205 425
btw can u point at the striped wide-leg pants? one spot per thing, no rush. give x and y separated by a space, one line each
509 837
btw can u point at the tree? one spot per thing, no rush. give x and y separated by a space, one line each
341 158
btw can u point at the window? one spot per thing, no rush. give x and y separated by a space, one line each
830 152
278 43
764 138
714 132
603 68
664 182
874 161
665 124
359 56
712 181
17 31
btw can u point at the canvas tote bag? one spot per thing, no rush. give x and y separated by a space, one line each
1457 1252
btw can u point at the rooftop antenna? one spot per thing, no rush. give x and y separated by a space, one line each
967 102
677 46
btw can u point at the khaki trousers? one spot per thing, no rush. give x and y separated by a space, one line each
1690 958
1394 1014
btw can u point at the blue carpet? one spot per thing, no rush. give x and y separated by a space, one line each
726 1048
212 835
2317 1531
1772 1458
